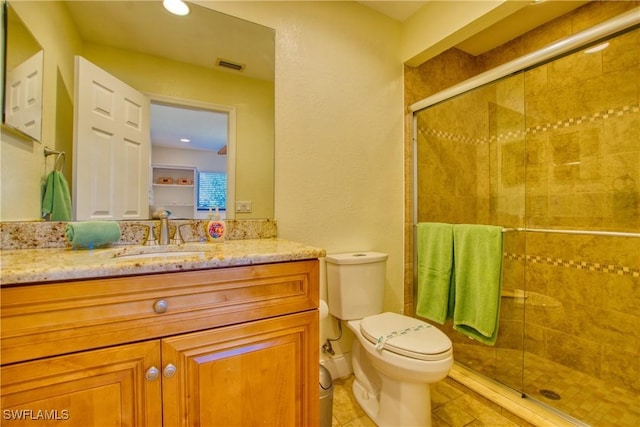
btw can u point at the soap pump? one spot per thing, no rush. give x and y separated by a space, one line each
215 227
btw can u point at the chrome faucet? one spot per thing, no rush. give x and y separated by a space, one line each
164 228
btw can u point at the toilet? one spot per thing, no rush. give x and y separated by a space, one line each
395 358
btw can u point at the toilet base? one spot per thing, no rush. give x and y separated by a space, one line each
399 403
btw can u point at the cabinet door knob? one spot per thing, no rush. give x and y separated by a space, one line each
169 370
160 306
152 373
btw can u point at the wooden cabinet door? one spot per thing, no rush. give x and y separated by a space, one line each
262 373
105 387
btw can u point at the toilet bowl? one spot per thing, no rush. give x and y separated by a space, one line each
395 358
394 388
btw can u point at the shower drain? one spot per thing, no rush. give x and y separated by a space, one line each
550 394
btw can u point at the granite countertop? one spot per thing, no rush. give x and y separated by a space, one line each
54 264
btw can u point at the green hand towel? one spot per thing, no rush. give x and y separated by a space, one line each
56 201
478 280
435 264
92 234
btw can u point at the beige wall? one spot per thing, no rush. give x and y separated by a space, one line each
339 151
424 37
23 166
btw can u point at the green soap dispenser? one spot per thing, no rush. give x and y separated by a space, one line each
215 228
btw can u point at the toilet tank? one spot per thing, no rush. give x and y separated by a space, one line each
355 284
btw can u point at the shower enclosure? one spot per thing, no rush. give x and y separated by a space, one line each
552 154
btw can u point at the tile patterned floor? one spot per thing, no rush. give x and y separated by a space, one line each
451 403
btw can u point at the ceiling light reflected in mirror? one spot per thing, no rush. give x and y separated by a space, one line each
177 7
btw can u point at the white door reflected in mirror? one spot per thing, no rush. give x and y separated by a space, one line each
111 146
23 108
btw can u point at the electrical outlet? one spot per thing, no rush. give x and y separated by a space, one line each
243 206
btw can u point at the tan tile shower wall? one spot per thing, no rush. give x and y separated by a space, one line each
454 66
596 326
583 171
579 169
583 128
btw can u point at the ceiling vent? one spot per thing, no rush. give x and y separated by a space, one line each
230 64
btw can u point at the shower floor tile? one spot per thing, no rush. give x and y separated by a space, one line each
585 398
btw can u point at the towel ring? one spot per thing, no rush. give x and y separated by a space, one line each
60 158
59 164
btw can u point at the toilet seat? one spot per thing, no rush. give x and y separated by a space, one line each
406 336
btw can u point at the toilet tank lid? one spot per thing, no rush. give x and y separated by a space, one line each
356 257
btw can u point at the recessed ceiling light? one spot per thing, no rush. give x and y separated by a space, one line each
597 48
185 140
177 7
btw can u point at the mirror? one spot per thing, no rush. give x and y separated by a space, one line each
24 60
204 58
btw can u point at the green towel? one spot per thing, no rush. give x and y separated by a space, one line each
92 234
478 280
435 264
56 201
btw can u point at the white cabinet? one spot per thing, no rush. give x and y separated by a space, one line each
173 187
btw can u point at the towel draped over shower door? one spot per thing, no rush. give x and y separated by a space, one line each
460 277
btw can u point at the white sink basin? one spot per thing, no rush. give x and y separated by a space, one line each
185 250
167 254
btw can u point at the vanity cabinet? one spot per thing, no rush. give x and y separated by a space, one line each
222 347
92 388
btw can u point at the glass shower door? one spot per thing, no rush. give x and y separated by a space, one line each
554 150
470 169
582 176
